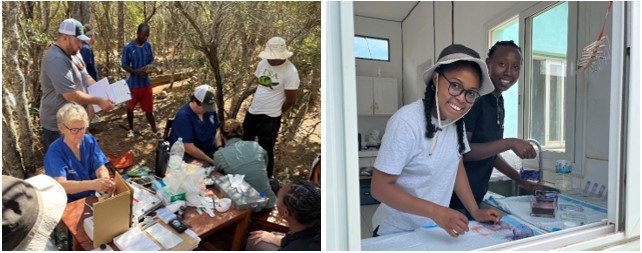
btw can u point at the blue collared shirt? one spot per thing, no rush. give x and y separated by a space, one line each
88 57
60 161
137 57
188 126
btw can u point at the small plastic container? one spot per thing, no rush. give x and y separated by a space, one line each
521 231
563 176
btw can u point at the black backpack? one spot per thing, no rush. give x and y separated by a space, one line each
162 156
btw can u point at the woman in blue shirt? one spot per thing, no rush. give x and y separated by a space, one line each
74 159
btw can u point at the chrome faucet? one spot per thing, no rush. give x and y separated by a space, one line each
540 163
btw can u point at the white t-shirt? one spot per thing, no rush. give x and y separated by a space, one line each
404 152
269 101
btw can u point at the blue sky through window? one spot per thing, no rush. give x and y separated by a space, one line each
371 48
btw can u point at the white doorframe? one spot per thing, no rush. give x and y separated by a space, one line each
340 150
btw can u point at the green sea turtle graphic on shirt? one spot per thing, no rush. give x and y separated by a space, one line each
267 82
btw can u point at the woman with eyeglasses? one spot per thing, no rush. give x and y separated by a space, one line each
75 160
419 163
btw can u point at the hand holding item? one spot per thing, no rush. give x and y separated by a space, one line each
103 185
263 236
106 104
523 149
455 223
140 72
487 215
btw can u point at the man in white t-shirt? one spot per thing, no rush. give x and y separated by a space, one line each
277 80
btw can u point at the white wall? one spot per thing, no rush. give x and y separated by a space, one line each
392 69
470 18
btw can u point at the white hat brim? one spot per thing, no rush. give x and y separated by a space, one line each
486 85
52 200
272 55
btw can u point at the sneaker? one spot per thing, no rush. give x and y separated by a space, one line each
130 133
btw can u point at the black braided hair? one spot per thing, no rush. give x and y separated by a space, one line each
303 199
429 95
504 43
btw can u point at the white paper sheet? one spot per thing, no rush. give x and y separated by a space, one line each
135 240
434 238
166 238
117 92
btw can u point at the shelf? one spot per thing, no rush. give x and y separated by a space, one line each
368 153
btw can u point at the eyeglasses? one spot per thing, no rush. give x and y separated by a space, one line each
75 130
456 89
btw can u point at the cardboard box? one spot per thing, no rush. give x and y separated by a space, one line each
113 216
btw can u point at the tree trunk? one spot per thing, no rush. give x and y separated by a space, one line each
16 85
108 41
81 11
10 157
121 24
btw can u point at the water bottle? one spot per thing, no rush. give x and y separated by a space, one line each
563 175
176 155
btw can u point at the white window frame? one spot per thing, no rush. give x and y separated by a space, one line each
341 216
550 155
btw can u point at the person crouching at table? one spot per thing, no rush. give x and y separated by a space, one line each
244 157
75 160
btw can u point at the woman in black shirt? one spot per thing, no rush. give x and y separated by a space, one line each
299 203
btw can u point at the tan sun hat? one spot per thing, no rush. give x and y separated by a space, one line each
275 49
31 210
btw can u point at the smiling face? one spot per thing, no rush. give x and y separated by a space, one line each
74 131
454 107
142 35
504 68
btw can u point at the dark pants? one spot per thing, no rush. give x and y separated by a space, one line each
267 129
49 137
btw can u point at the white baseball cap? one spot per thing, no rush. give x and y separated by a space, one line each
275 49
205 95
73 27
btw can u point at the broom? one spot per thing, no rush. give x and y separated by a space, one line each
595 55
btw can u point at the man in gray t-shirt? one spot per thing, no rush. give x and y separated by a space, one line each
61 81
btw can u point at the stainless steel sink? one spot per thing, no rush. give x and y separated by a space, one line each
510 188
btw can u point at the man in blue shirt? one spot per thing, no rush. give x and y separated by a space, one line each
197 124
137 55
88 53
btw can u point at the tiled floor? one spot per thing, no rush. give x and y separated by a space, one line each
366 220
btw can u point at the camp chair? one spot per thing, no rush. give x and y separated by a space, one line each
162 150
168 126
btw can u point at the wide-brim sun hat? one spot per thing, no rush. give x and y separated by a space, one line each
457 52
275 49
31 210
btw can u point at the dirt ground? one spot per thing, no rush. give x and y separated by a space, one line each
111 133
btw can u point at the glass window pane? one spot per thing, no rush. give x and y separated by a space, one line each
550 36
509 31
371 48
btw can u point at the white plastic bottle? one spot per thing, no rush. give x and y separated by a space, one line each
563 176
176 154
